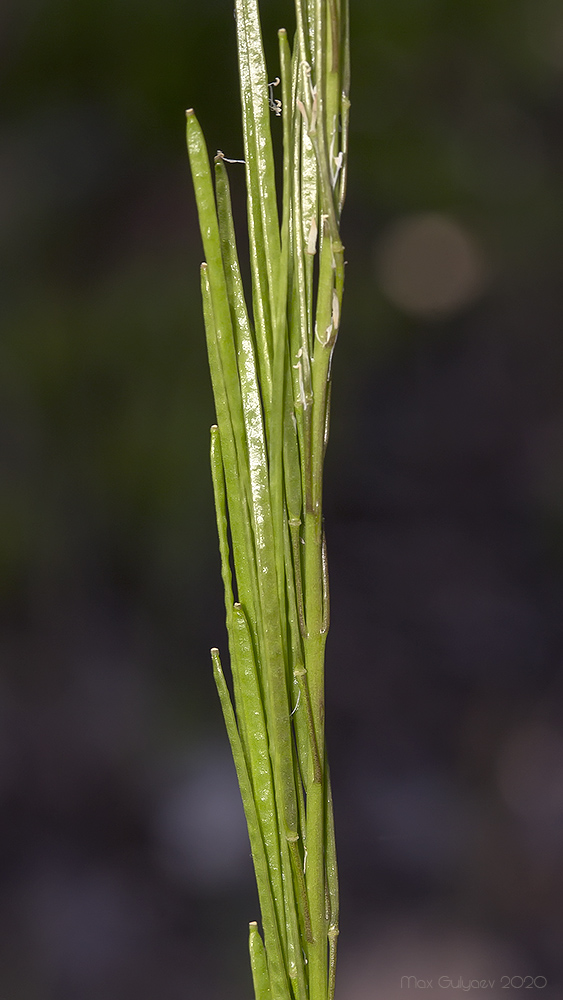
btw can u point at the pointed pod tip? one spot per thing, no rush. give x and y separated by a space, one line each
216 661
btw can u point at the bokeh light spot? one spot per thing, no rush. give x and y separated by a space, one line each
429 265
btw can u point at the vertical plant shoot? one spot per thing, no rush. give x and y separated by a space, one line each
270 362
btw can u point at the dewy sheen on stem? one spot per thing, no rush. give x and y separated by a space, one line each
270 365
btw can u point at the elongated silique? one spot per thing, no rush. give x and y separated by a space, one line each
270 364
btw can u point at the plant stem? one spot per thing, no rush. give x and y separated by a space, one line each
270 370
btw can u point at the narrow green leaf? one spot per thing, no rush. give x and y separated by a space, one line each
288 125
317 952
302 309
250 707
247 374
277 971
260 290
297 864
270 569
218 480
243 544
248 380
333 933
251 52
258 964
295 927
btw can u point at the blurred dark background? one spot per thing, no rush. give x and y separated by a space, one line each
124 865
